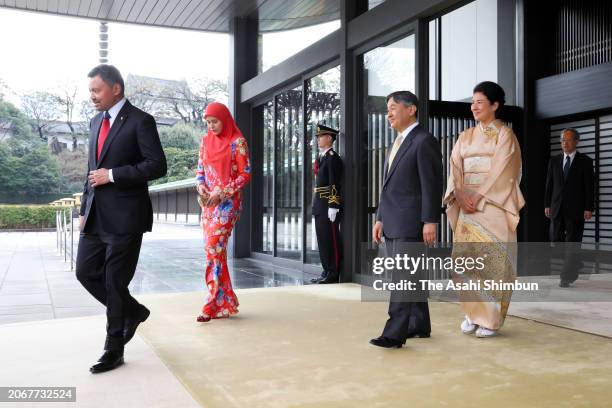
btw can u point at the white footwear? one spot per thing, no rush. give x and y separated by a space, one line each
467 327
484 332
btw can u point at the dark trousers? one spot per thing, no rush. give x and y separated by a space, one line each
105 266
568 229
328 239
405 317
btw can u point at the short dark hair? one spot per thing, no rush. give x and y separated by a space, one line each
406 98
493 92
573 131
109 74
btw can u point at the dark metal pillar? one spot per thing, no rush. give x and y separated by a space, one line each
242 67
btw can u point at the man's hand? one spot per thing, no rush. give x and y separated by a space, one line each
429 233
547 212
81 222
377 232
588 215
98 177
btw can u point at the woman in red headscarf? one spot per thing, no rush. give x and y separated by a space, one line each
223 171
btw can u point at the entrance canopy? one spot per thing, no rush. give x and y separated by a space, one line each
202 15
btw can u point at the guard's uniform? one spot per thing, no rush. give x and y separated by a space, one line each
327 194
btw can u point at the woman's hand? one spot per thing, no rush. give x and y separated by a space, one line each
214 199
202 190
468 200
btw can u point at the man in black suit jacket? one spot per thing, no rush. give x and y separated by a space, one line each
124 154
408 211
569 197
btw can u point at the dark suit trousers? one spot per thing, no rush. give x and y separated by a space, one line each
405 317
328 236
568 229
105 266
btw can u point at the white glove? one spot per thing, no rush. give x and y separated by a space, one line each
331 213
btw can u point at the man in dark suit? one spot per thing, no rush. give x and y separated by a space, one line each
408 211
124 154
326 203
569 197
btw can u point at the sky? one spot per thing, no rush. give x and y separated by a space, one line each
44 52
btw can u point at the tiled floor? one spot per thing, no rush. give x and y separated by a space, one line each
36 283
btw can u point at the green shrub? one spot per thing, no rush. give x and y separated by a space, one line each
27 216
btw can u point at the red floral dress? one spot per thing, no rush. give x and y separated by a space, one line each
218 222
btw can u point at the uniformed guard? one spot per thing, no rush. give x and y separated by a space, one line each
326 204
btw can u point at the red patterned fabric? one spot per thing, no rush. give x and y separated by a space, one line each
218 222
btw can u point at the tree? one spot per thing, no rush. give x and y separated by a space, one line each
181 164
33 173
176 99
42 108
14 127
67 100
3 89
72 168
180 136
142 91
87 112
41 172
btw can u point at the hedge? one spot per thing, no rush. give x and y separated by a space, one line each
27 216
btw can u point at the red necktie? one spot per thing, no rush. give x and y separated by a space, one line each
104 129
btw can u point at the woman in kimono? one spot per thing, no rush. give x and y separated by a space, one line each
483 201
223 171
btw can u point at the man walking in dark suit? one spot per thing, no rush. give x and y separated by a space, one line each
569 197
409 210
326 203
124 154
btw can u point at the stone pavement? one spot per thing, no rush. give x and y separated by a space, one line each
36 283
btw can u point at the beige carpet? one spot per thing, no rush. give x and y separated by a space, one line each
308 347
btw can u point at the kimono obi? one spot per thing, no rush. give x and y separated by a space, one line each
476 169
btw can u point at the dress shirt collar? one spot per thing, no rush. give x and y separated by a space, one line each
571 156
322 152
115 109
408 130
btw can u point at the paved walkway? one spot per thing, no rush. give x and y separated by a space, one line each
36 283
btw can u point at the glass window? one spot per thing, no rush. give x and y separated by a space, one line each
267 215
469 48
433 58
288 171
278 46
385 69
323 106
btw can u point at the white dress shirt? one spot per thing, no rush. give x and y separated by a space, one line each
114 112
571 156
406 131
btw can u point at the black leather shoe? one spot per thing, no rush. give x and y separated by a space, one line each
418 335
564 284
110 360
329 279
131 324
387 342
